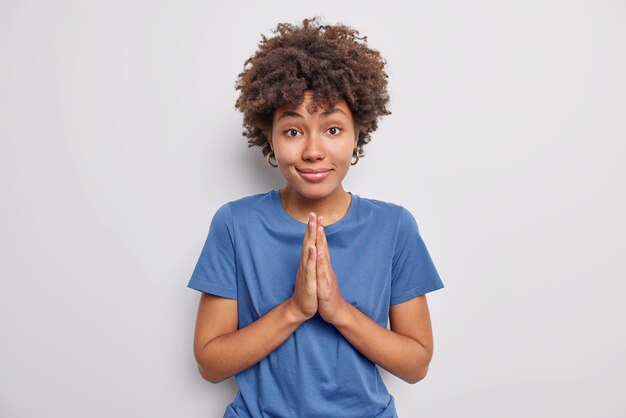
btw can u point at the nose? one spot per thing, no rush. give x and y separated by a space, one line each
313 148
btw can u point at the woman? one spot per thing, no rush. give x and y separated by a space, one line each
298 284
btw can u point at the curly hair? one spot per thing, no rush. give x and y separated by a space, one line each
330 60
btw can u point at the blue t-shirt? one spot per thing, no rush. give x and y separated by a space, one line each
252 254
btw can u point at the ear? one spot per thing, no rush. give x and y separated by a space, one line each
268 135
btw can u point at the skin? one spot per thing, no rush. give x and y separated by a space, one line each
311 141
222 350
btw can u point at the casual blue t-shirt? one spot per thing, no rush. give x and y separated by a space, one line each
252 254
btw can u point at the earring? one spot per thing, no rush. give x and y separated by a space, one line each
269 159
355 153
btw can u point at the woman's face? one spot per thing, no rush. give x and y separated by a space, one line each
314 151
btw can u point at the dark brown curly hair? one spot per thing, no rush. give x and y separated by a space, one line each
331 61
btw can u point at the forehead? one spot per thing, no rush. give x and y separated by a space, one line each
307 105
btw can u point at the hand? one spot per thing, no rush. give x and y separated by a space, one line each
331 303
304 297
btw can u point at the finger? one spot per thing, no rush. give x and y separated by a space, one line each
310 232
322 222
305 240
311 265
323 280
328 269
306 231
318 238
325 243
313 222
319 267
321 243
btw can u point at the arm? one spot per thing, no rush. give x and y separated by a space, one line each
222 350
405 350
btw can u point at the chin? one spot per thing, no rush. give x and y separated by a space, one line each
317 191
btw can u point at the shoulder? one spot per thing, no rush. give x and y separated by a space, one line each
380 208
392 218
244 206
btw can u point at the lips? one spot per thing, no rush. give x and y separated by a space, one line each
312 170
313 175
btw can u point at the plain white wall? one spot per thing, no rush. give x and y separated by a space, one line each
119 140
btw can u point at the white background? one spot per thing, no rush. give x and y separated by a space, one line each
119 140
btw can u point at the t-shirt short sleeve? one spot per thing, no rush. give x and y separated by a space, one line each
215 271
413 271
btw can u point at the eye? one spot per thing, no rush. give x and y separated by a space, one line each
334 130
292 133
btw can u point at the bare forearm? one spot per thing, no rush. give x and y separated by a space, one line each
232 353
401 355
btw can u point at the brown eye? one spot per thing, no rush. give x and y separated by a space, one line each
291 132
335 130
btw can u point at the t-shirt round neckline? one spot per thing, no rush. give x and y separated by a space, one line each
328 228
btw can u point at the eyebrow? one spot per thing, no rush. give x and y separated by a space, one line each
298 115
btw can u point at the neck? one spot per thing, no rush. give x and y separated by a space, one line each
332 207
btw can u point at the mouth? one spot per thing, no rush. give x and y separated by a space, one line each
313 175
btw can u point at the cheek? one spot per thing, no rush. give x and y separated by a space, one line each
343 153
285 154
